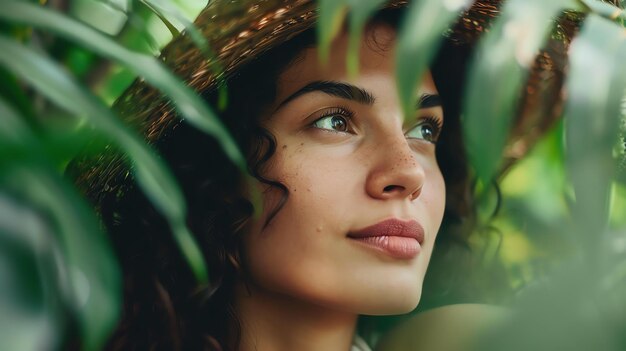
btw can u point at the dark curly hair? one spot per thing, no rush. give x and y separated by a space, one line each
164 308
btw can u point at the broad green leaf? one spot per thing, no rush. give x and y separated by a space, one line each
85 251
13 128
20 141
331 16
151 173
592 113
11 91
188 103
31 279
498 73
419 39
92 272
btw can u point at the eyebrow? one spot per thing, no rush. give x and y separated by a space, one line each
428 100
352 92
338 89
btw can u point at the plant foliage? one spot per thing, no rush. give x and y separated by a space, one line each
57 75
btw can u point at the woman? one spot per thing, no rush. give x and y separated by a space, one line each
353 194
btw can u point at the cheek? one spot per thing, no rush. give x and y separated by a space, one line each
293 249
436 202
318 183
303 251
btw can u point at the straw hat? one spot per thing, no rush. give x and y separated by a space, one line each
238 31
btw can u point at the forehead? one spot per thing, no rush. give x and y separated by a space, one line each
376 52
376 67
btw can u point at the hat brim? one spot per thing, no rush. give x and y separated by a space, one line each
241 31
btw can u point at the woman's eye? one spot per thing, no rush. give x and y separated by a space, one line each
335 122
427 129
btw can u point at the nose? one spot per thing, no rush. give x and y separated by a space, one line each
395 173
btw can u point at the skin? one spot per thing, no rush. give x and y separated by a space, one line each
307 282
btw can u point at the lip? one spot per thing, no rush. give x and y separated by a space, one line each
397 238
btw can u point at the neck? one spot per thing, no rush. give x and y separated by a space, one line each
271 321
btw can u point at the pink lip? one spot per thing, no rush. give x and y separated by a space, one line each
400 239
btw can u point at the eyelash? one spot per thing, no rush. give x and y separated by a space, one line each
348 114
345 112
434 126
434 121
339 110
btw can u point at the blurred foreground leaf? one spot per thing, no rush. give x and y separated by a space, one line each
332 13
498 73
579 305
151 173
360 13
92 272
419 38
74 264
188 103
605 9
593 112
31 276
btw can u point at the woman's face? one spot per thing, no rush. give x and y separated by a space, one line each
366 196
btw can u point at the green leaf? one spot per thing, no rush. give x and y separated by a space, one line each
163 8
173 30
604 9
151 173
92 272
497 75
13 128
166 8
592 112
31 279
11 90
331 16
420 35
87 260
360 13
188 103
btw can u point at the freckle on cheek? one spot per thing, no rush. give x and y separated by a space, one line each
284 146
